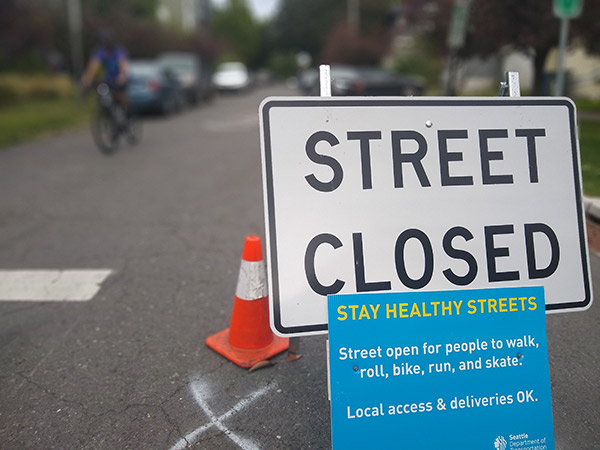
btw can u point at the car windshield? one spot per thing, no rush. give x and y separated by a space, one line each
179 65
343 73
142 72
232 67
143 69
376 74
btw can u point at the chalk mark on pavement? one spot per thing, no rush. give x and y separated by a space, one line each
201 391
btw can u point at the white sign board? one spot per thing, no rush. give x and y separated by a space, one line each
400 195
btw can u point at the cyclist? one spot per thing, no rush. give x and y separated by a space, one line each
114 60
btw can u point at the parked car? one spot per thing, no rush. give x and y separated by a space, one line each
152 88
193 75
372 81
308 81
231 76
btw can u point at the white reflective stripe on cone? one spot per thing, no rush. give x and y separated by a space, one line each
252 282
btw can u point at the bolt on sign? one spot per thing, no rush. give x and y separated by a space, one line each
399 195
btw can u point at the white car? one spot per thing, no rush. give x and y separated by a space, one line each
231 76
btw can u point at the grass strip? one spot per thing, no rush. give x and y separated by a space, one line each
29 120
589 147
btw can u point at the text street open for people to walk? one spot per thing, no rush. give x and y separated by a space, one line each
429 369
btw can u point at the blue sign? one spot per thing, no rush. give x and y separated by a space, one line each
449 369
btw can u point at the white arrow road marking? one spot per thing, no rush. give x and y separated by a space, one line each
51 285
201 391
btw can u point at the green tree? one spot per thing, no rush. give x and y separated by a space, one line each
138 8
303 25
26 34
322 28
241 33
528 26
34 34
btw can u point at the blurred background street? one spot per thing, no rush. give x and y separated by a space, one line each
165 217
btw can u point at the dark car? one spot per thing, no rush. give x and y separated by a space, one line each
308 81
152 88
372 81
194 76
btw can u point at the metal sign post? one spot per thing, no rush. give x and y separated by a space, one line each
511 86
75 36
325 80
564 10
455 41
562 49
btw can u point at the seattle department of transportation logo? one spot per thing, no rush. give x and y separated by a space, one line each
500 443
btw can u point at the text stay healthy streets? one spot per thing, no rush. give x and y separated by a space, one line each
440 360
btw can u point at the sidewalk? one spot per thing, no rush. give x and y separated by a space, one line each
591 206
589 115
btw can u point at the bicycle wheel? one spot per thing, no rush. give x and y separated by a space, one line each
133 132
105 132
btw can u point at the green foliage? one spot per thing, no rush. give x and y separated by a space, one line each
27 30
34 34
303 25
429 69
589 143
321 28
15 88
524 25
235 25
29 120
28 61
345 45
143 8
283 65
588 105
422 61
106 8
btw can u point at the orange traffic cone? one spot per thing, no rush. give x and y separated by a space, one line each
249 338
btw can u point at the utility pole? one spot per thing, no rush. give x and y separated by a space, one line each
75 36
353 11
564 10
455 41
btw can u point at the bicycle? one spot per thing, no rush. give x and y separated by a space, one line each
111 120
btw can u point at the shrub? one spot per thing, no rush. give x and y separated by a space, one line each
283 65
16 88
422 65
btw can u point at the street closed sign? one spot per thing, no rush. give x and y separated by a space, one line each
392 195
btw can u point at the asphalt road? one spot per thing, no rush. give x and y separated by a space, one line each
129 368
